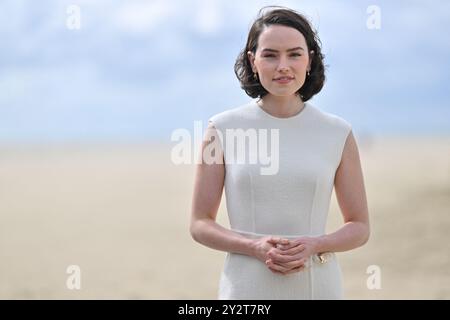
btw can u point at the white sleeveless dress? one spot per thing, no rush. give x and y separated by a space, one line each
290 199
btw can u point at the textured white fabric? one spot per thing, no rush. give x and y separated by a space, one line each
293 202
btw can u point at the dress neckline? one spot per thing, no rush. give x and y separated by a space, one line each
299 114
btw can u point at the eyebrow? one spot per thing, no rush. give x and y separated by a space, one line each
288 50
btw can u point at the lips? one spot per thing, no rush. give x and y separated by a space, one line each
284 78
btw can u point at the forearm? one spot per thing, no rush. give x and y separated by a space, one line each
350 236
213 235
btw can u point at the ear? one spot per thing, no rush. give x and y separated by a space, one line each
251 58
311 54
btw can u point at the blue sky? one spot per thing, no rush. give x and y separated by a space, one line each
138 70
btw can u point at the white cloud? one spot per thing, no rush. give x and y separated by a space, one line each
138 17
208 19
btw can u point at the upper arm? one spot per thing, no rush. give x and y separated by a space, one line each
349 184
209 178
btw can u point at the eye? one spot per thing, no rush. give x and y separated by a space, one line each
294 54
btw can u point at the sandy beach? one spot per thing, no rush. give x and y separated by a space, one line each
121 213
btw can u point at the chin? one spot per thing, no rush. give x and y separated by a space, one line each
282 94
286 92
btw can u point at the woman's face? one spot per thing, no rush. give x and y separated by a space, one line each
273 60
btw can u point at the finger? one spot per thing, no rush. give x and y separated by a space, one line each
294 264
278 240
286 246
291 265
294 270
279 258
276 267
278 271
286 255
275 271
289 270
292 251
292 244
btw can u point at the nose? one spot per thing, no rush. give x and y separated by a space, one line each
283 65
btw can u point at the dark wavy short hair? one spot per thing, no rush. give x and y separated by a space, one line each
290 18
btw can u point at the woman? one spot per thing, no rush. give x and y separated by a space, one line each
277 247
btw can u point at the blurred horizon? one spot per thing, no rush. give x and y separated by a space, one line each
137 70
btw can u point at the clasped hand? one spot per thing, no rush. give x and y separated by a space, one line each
285 256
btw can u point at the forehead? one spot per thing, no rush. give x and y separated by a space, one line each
280 38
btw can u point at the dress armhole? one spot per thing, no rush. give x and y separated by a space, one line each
217 133
348 130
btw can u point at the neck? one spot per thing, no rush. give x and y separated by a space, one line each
282 107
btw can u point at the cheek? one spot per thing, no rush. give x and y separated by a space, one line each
301 64
267 66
